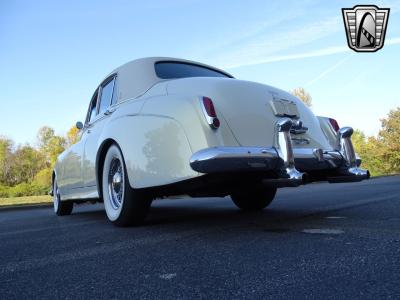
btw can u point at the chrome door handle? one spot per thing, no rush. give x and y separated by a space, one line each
89 131
109 111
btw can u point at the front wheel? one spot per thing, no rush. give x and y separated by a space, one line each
124 206
255 199
61 208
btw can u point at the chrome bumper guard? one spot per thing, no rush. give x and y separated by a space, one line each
351 169
290 164
288 174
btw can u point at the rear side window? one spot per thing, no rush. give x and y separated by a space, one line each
171 70
106 95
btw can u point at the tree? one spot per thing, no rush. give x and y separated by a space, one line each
73 135
50 145
389 139
26 170
6 160
370 151
56 145
43 177
381 154
44 135
27 163
303 95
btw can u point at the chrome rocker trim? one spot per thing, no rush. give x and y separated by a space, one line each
290 164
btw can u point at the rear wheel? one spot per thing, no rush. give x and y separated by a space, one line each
124 206
255 199
61 208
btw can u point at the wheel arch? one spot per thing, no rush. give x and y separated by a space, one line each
101 154
156 149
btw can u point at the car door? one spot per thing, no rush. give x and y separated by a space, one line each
105 100
70 177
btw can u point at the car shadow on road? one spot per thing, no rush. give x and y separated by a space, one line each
218 212
199 213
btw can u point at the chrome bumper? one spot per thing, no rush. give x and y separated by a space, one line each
290 165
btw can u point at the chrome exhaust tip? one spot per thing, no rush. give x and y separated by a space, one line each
348 175
287 178
359 172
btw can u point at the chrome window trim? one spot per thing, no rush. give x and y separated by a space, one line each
109 79
98 90
87 121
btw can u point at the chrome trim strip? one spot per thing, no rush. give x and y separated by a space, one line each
306 158
233 152
231 159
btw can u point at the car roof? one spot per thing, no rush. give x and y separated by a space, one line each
137 76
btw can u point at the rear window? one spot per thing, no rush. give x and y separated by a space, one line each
171 70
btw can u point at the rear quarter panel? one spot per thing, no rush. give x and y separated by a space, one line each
158 140
155 148
186 110
328 131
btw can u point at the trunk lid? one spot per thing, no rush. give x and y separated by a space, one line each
251 110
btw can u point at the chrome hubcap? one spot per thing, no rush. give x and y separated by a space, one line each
116 183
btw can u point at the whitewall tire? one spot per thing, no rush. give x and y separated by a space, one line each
123 205
61 208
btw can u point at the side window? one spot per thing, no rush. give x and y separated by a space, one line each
106 95
92 108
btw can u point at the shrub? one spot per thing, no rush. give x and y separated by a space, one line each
4 191
43 177
23 189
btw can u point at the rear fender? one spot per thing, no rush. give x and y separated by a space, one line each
187 111
155 149
328 131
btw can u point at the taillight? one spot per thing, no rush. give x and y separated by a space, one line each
334 124
209 112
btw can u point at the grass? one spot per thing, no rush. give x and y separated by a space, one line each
4 202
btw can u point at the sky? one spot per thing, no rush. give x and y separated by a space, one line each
53 54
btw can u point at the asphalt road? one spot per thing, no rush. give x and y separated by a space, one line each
317 241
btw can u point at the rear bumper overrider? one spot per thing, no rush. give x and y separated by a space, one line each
285 165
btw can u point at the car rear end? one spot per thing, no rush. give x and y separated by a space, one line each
274 134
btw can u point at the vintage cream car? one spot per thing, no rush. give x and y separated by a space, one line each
158 127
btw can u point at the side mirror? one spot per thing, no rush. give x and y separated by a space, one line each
79 125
